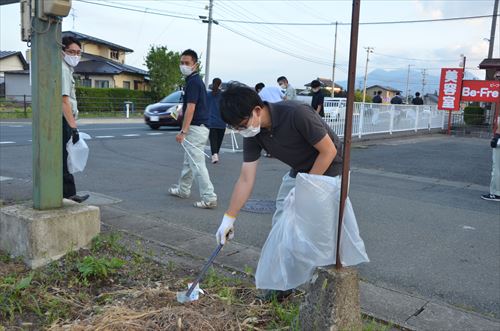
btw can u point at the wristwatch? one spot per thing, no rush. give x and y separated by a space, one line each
183 132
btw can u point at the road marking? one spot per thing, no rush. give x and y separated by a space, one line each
30 140
154 134
131 135
15 126
7 142
2 178
103 137
466 227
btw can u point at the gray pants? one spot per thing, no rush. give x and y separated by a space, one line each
495 172
194 166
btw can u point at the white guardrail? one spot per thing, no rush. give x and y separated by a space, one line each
372 118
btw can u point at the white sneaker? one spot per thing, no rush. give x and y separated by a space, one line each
205 204
175 191
215 158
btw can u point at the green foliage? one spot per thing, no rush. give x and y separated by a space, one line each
474 115
107 242
110 99
287 313
11 295
358 97
99 268
163 66
248 270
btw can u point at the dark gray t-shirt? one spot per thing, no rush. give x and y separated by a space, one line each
295 129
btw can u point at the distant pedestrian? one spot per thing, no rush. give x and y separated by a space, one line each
71 49
216 124
290 93
317 98
194 135
378 97
259 87
417 100
397 100
494 194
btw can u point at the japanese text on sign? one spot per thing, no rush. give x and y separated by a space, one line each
450 88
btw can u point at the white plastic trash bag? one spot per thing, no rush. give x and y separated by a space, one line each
305 235
77 153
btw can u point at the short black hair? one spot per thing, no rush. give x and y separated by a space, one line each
216 80
280 78
259 86
379 92
68 40
190 52
315 83
237 104
398 93
417 94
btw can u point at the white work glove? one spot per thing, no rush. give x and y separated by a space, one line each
226 229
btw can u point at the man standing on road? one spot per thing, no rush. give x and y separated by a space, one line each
290 93
71 50
290 131
317 98
194 135
495 167
397 100
377 98
417 100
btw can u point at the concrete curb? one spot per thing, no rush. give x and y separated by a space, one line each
404 310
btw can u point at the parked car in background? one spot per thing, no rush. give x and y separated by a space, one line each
166 112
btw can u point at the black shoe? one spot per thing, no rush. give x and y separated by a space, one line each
270 295
79 198
490 197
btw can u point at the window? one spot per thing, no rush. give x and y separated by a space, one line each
136 84
102 83
86 82
126 85
114 54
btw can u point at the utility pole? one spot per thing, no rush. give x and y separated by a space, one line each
493 28
368 51
209 41
334 60
423 80
408 83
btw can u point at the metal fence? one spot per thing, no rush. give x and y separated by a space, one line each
369 118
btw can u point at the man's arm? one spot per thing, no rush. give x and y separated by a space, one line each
186 122
327 153
243 188
68 112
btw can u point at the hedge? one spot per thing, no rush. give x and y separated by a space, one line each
474 115
110 99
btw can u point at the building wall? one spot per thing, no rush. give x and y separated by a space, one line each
102 50
17 85
386 95
142 85
10 63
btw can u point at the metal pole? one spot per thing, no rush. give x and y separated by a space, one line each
209 41
47 113
334 60
348 121
368 51
493 28
407 84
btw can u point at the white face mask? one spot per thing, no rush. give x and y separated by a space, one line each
250 131
282 86
186 70
72 60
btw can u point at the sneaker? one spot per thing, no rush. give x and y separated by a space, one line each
79 198
205 204
490 197
175 191
215 158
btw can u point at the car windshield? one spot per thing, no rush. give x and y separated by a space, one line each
175 97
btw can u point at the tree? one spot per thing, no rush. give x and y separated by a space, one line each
163 66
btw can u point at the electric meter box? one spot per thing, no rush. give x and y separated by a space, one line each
54 7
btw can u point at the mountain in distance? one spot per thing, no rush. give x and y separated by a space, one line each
396 79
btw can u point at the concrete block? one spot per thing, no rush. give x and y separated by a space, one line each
332 301
41 236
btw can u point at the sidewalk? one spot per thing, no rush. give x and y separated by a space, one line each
402 309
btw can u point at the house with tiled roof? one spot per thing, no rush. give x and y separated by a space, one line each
103 65
387 92
12 62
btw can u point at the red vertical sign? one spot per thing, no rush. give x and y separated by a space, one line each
450 88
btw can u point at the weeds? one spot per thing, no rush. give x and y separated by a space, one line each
99 268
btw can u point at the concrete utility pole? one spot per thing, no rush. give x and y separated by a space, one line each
334 60
408 83
493 28
368 51
209 41
47 111
423 80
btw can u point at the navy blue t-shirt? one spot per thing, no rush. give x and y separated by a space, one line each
195 92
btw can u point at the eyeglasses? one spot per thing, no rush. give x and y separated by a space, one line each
72 52
242 126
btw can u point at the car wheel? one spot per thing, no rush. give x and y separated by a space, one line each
154 126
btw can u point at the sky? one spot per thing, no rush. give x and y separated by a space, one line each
253 53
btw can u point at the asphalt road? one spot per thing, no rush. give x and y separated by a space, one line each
417 202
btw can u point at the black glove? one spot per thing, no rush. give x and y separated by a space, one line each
494 140
75 136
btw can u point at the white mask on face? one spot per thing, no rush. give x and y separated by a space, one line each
282 86
186 70
250 131
72 60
